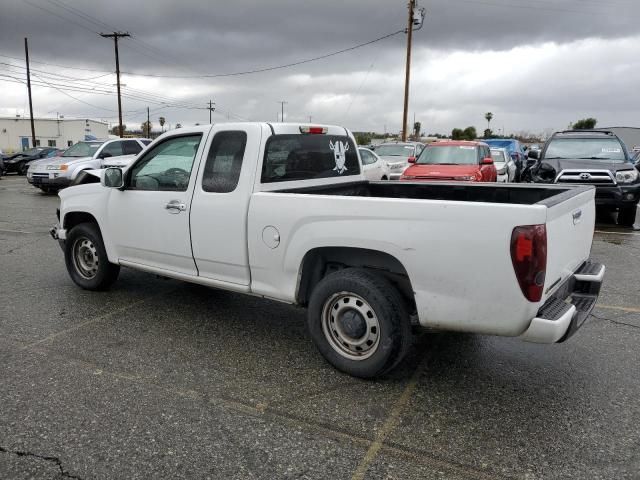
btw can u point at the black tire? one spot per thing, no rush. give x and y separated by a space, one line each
22 169
627 216
86 258
333 311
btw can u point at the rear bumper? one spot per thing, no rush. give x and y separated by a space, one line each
566 311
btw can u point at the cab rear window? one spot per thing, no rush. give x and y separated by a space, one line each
305 157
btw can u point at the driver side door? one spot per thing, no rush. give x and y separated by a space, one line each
149 219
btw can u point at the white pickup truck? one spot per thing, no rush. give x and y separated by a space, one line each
282 211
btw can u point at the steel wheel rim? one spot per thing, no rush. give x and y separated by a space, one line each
85 258
350 326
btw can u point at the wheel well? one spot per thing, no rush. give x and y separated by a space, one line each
75 218
320 262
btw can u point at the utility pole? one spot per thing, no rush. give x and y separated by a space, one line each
414 20
33 127
211 109
282 104
148 124
309 118
115 36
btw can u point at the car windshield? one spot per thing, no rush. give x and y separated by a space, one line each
82 149
508 144
498 156
449 155
31 151
604 149
395 150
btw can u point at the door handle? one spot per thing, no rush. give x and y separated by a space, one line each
175 206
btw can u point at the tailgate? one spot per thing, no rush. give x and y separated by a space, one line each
570 226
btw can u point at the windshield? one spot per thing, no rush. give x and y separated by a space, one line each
31 151
605 149
498 156
395 150
450 155
508 144
82 149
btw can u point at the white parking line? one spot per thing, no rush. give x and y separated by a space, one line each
617 233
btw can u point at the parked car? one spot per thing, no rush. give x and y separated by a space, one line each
283 211
515 149
59 172
505 166
636 160
373 167
19 162
591 157
398 155
453 161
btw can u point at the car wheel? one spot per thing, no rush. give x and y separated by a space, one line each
22 169
384 177
359 322
627 216
86 258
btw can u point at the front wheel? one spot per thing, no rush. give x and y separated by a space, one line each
22 169
86 258
627 216
359 322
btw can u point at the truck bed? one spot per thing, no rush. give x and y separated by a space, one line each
524 194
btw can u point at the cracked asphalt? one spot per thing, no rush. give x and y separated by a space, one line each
161 379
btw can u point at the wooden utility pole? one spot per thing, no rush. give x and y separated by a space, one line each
211 110
412 6
282 103
148 124
115 36
33 127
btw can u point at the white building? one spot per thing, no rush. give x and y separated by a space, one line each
15 132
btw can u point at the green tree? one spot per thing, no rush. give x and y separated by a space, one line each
178 125
162 121
585 124
146 128
470 133
417 126
488 133
457 134
488 117
114 129
363 138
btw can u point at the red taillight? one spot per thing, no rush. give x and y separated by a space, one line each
313 130
529 258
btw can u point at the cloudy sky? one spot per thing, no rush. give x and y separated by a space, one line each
536 64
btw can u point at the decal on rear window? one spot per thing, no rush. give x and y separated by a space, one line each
340 154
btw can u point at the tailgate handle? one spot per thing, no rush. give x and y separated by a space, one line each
577 217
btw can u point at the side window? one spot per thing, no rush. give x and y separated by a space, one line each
366 157
224 162
114 149
131 147
166 167
419 149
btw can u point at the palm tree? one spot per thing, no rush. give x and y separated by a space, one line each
488 117
162 121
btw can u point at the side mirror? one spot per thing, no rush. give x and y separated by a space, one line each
113 178
411 159
487 161
533 154
104 155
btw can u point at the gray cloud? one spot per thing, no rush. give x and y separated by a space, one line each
362 89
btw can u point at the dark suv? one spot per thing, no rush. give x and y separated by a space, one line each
590 157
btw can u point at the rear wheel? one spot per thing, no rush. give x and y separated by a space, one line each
627 216
86 258
359 322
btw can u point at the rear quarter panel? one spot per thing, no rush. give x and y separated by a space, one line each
457 254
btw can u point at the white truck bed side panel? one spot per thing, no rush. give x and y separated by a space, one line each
457 254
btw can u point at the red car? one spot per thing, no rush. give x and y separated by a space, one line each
453 161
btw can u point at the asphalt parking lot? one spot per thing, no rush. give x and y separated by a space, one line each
160 379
